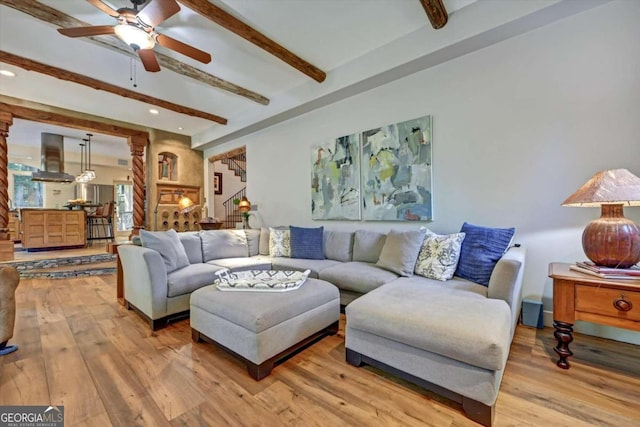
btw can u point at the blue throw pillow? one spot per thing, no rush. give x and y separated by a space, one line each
307 242
482 247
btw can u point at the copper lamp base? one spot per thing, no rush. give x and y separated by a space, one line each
612 240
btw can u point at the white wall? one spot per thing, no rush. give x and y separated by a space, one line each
518 127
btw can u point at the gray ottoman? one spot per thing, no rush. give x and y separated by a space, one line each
264 327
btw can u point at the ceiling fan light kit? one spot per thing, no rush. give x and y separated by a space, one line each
135 36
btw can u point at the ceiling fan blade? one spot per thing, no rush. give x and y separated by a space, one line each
149 60
98 30
103 7
157 11
183 48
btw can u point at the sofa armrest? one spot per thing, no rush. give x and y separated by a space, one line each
506 281
145 280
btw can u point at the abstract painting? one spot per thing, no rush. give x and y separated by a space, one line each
335 179
396 172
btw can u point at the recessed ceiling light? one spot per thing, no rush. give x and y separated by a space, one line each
154 111
180 128
7 73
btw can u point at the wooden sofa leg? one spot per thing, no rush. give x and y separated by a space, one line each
478 412
195 336
158 323
333 328
353 357
258 372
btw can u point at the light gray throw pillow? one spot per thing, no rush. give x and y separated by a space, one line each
168 244
338 245
217 244
400 251
367 245
253 241
263 249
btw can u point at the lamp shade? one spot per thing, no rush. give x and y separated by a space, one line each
611 240
244 205
616 186
185 204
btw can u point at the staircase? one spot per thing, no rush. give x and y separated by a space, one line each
231 214
237 164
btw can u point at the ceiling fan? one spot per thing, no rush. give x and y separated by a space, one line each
138 30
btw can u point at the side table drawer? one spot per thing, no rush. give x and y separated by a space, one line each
593 299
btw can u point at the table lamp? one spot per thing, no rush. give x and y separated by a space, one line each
244 207
611 240
185 204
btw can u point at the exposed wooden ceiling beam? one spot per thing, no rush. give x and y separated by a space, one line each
226 155
436 12
69 121
233 24
47 14
59 73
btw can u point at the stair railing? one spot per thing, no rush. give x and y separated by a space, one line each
231 213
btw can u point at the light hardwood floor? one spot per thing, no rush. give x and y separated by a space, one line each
80 349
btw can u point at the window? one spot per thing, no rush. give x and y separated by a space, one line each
26 193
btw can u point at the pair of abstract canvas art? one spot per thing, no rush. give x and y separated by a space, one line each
382 174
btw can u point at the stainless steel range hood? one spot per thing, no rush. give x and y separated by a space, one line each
52 157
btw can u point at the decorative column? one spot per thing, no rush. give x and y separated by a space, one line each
137 145
6 245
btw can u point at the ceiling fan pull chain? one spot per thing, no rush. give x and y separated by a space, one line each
132 72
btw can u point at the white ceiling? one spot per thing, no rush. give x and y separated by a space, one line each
358 43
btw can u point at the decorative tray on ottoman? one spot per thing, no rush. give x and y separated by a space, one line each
260 280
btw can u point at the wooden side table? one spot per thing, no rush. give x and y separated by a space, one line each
581 296
112 248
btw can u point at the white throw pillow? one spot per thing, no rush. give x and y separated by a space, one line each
279 242
439 255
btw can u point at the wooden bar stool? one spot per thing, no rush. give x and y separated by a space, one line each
100 223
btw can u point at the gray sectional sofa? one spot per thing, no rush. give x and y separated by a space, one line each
452 336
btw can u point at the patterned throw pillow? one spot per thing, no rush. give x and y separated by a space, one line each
439 255
279 242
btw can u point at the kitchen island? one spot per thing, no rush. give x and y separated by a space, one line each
44 229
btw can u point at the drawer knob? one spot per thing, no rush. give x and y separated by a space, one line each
622 304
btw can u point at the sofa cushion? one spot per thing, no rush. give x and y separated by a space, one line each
279 242
357 276
367 245
242 264
307 243
218 244
167 243
192 245
259 311
400 251
432 316
338 245
481 249
300 264
439 255
253 241
190 278
263 248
